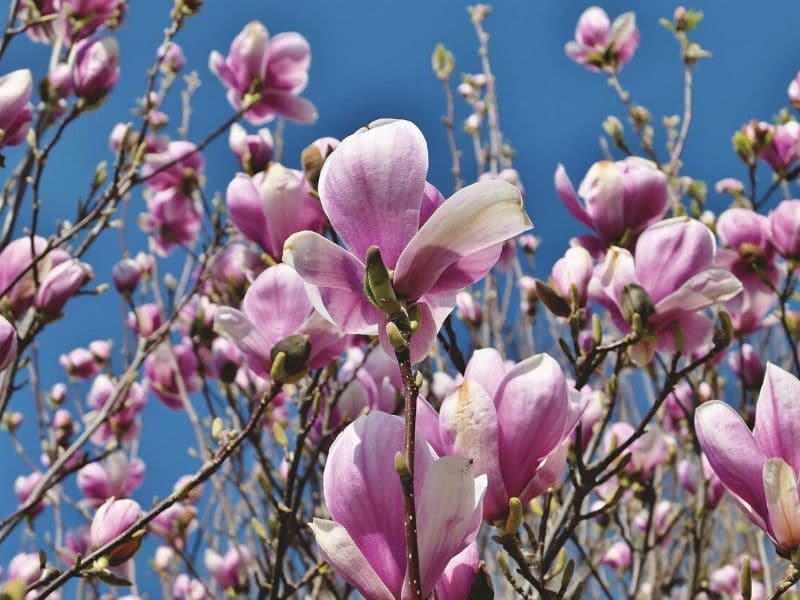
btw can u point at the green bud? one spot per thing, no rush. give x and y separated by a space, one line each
745 580
295 349
597 330
396 338
379 284
514 519
442 62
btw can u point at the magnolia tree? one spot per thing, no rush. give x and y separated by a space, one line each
385 402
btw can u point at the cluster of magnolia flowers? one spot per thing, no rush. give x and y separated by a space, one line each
318 311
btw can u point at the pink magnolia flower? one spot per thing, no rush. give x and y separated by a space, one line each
747 364
172 218
469 310
276 69
490 417
648 451
759 468
95 67
42 33
374 193
275 307
180 166
159 371
174 523
125 275
80 363
81 18
784 228
254 151
15 268
620 199
749 255
112 519
25 567
145 319
23 488
793 91
365 540
172 58
229 570
15 107
668 280
784 148
599 43
573 269
233 270
689 480
617 555
60 284
269 207
186 588
116 477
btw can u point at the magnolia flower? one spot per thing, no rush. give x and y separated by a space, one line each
116 477
8 343
749 255
277 316
229 570
783 148
489 419
81 18
365 540
275 69
95 67
620 199
373 191
617 555
784 228
111 520
759 468
793 91
122 423
15 107
171 58
254 151
172 218
60 284
159 371
180 166
269 207
668 280
599 43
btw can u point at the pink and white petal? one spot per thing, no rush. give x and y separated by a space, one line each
449 509
466 271
235 326
339 550
431 319
290 106
777 427
487 368
783 503
246 210
468 427
459 576
549 472
360 456
428 425
371 188
288 59
431 200
475 218
277 302
327 339
732 452
568 196
337 279
697 330
700 291
218 66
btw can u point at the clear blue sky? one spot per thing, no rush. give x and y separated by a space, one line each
372 59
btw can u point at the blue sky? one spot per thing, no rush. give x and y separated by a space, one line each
371 59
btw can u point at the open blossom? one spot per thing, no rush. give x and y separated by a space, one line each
489 419
122 423
373 191
254 150
25 567
668 280
15 107
115 477
784 228
81 18
180 166
759 468
173 218
784 148
365 540
748 254
23 488
269 207
276 310
159 371
112 519
171 57
599 43
17 283
620 199
276 69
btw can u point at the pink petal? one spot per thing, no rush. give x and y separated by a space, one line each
700 291
288 59
487 368
777 428
468 427
732 452
337 278
277 302
247 212
290 106
783 503
339 550
371 188
473 220
235 325
570 199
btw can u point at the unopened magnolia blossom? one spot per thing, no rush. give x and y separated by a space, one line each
599 43
374 193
